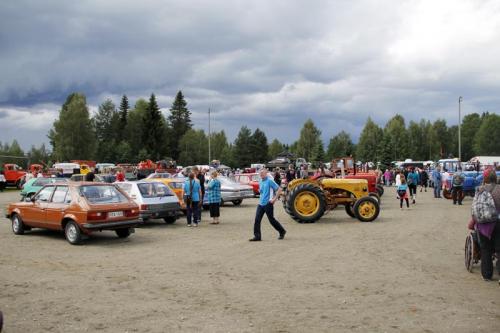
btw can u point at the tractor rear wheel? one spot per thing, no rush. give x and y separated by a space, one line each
366 209
306 203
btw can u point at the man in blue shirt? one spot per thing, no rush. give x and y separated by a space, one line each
269 193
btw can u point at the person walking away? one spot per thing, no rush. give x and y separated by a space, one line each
89 177
412 182
214 197
424 179
403 193
436 179
269 193
398 178
120 176
457 183
445 176
192 195
487 225
387 177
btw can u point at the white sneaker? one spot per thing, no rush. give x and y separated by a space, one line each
196 224
189 225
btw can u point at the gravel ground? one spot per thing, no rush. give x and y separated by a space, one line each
402 273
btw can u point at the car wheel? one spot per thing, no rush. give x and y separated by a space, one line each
123 233
17 224
366 209
170 219
73 233
237 202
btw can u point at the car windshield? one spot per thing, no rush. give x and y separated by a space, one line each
153 190
159 175
42 181
102 194
227 181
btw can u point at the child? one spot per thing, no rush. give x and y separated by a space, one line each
402 193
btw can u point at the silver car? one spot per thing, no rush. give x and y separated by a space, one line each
230 191
155 200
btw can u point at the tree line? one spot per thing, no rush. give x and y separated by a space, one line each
130 134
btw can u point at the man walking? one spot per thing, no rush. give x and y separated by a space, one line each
436 179
269 193
457 183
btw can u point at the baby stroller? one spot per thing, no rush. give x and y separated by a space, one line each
473 250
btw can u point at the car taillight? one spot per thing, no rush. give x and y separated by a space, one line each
132 213
144 207
96 215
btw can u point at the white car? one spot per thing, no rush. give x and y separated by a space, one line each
155 200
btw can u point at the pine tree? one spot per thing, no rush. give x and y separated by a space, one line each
124 108
242 147
275 148
105 128
486 141
180 122
340 146
259 147
153 130
368 148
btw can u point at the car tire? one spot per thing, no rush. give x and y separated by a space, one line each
170 219
237 202
17 224
73 233
123 233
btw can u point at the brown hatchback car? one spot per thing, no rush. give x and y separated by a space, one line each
76 208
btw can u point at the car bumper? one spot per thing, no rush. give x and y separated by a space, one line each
231 197
111 225
159 214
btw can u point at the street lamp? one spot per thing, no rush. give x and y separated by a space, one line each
460 99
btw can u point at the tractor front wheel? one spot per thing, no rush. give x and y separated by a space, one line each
306 203
366 209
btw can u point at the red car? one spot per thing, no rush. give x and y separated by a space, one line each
251 179
78 209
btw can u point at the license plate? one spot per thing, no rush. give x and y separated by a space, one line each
115 214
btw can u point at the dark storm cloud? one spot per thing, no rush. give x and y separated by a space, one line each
266 64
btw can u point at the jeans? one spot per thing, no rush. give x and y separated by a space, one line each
269 211
437 189
457 194
192 212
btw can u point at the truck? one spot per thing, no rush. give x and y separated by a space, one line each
14 175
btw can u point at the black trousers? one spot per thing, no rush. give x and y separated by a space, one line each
269 211
457 194
413 189
488 247
192 212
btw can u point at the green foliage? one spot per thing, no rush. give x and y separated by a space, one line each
243 147
395 130
193 147
340 145
153 131
440 139
179 121
259 147
368 148
14 149
73 134
486 141
470 126
218 143
106 121
308 145
134 129
274 149
39 155
122 125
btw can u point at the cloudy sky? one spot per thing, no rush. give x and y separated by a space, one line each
269 64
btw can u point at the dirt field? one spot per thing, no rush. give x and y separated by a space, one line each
402 273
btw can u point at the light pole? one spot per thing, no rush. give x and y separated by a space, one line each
460 99
209 134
